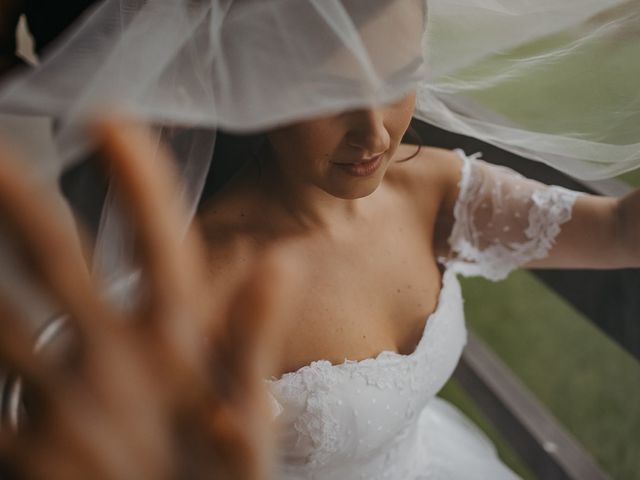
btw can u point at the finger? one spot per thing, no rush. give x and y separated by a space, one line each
255 322
48 240
173 269
11 462
143 172
83 433
42 458
235 453
16 347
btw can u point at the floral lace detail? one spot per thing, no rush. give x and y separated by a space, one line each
313 384
318 424
553 207
490 236
333 409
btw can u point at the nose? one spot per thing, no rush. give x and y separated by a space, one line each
367 131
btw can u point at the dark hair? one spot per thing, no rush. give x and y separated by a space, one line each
411 136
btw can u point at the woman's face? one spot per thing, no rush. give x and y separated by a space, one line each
346 154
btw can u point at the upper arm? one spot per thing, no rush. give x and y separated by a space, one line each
502 220
492 220
433 177
590 239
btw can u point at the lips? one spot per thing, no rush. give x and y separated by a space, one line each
362 168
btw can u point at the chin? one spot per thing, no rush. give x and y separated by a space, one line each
359 188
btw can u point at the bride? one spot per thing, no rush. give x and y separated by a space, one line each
377 231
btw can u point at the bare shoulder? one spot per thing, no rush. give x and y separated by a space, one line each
231 239
238 238
430 182
432 172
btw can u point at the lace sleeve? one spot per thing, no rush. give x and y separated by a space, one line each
503 220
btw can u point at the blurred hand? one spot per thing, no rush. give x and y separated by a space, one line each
173 390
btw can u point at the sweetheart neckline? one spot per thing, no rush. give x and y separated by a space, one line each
389 354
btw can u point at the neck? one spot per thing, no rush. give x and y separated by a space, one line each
306 204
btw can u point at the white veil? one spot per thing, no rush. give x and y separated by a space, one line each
552 81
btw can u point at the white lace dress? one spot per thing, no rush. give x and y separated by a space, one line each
380 418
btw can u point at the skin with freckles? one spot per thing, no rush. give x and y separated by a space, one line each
366 238
331 223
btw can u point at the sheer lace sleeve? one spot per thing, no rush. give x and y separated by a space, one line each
503 220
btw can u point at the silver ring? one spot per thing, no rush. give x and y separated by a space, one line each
11 405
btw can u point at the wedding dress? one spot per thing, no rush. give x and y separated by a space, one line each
379 418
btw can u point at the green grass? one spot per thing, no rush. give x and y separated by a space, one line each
594 90
593 93
584 379
632 178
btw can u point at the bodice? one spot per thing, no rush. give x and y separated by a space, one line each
359 419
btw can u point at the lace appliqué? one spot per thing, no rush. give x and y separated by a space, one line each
310 387
490 236
390 389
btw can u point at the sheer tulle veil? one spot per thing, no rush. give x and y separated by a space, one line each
552 81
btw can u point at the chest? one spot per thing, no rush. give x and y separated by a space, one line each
357 299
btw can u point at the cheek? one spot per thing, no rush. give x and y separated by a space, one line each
399 116
319 138
406 108
306 147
